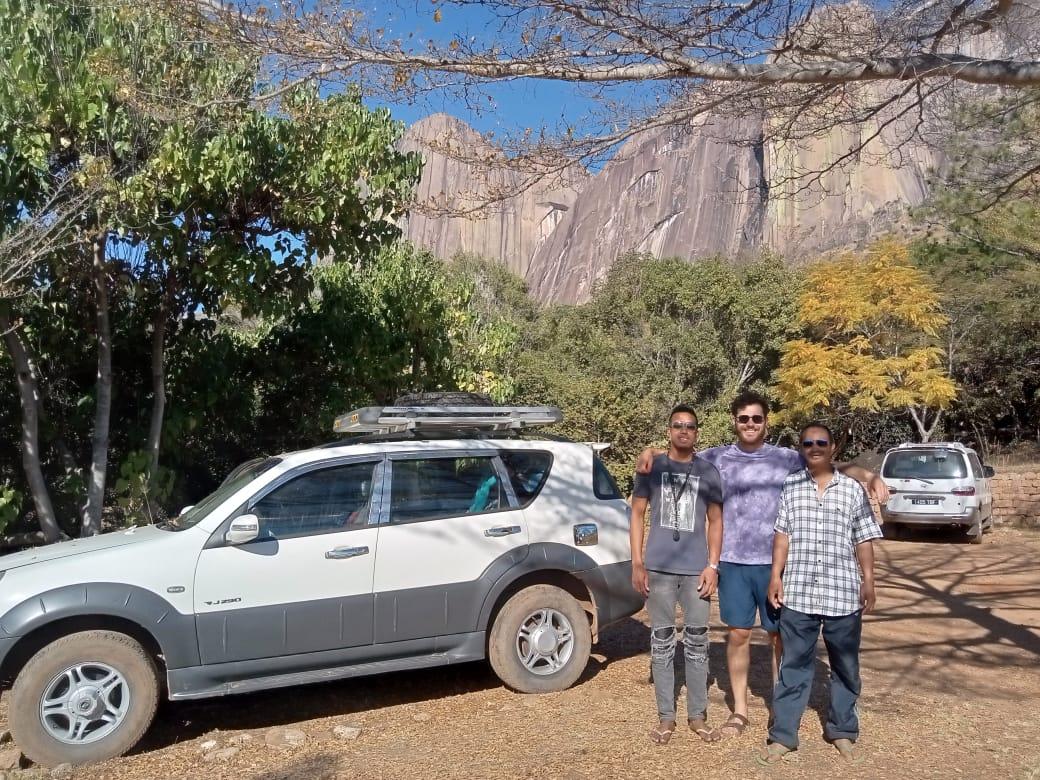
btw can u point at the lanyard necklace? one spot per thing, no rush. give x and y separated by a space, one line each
677 497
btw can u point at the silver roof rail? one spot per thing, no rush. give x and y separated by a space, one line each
393 419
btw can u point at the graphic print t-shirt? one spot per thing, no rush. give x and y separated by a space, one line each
679 495
751 487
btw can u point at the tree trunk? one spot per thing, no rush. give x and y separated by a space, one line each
29 396
158 387
924 431
91 520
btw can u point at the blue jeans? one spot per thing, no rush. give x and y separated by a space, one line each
799 633
667 590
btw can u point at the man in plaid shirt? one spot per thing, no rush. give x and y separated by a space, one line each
822 577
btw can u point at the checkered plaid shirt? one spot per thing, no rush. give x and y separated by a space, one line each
822 576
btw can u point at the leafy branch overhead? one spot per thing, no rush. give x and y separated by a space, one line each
798 68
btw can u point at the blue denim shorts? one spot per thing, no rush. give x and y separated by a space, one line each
743 591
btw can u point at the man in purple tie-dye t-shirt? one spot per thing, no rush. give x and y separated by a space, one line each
753 474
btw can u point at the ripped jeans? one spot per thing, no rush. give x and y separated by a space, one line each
665 591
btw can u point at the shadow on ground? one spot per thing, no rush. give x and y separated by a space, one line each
181 721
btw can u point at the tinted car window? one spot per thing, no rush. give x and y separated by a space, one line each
925 464
318 502
976 466
603 481
239 478
528 470
430 488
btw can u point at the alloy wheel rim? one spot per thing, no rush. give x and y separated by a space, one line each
84 703
545 641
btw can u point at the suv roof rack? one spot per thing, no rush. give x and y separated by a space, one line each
470 419
934 445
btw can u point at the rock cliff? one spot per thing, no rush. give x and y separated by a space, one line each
509 231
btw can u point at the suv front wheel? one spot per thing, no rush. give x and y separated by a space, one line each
540 640
83 698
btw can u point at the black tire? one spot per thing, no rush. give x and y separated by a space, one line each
109 648
975 533
503 643
455 398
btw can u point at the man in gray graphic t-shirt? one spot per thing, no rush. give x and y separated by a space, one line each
680 566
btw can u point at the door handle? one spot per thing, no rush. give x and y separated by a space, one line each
502 530
337 553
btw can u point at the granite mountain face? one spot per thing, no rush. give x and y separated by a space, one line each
675 192
509 230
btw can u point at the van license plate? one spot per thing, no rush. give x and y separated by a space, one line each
925 501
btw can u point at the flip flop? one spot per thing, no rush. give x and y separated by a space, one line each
773 755
700 728
847 749
733 727
661 734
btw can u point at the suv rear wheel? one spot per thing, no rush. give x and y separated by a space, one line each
84 698
540 641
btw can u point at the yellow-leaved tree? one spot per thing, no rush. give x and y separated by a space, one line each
871 324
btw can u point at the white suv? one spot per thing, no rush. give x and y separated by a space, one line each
452 541
938 484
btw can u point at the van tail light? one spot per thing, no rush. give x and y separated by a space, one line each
968 491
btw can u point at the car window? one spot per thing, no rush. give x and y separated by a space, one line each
528 470
239 478
603 481
317 502
925 464
430 488
976 466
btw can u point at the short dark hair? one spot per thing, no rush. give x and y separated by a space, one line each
749 398
683 409
801 436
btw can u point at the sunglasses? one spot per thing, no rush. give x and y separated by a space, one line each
678 426
817 442
744 419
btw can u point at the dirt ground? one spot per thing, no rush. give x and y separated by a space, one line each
951 688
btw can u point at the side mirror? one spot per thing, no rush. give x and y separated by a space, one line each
244 528
987 471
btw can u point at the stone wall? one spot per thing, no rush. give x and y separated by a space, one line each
1016 495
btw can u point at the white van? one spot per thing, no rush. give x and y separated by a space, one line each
938 484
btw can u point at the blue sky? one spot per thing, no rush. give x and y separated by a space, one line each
513 105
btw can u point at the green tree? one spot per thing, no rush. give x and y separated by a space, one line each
200 202
988 272
656 333
871 342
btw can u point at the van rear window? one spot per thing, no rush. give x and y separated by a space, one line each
925 464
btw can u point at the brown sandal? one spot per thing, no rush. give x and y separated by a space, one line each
733 727
662 732
700 728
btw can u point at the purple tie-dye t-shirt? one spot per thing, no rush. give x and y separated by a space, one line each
751 487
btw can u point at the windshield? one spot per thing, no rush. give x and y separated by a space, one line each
239 477
925 464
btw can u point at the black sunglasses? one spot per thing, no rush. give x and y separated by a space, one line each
757 419
678 426
818 442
